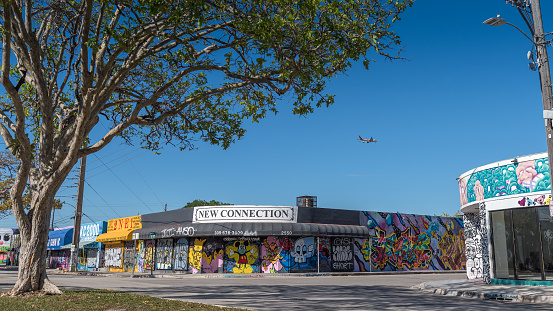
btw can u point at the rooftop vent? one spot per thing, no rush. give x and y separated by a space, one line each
306 201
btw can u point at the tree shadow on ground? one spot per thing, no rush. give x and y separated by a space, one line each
327 297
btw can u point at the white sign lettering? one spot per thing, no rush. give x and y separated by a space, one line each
237 213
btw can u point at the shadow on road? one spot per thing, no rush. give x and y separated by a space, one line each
283 297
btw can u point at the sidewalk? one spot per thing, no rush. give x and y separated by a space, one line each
478 289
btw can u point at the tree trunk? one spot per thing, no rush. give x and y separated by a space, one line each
32 256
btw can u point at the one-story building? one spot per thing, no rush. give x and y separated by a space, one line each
509 221
288 239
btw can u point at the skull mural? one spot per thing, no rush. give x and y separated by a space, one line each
302 250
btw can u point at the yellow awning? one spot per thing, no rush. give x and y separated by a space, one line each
119 235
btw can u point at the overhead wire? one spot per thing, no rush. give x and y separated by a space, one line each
108 168
103 164
128 187
102 199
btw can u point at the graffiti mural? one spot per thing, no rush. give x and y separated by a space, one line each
485 251
129 256
212 256
325 261
149 254
516 178
342 254
302 255
273 254
242 255
114 257
59 259
92 257
164 254
141 256
195 256
410 242
181 254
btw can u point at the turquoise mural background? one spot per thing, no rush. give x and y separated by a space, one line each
516 178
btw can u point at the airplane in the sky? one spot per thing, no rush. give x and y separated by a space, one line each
363 140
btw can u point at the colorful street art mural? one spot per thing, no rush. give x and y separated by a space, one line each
195 256
59 259
242 255
149 254
212 256
3 253
516 178
273 254
325 260
410 242
164 254
303 255
181 254
141 248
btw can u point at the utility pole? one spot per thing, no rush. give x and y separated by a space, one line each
545 78
78 213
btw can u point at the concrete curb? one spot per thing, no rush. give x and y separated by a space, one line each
484 296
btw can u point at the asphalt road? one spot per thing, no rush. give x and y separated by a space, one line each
368 292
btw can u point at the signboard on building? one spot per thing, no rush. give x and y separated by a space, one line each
125 223
89 232
237 213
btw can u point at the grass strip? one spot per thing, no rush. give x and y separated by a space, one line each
100 300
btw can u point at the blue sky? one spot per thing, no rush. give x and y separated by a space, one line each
463 98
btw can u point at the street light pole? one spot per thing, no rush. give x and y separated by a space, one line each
545 79
543 68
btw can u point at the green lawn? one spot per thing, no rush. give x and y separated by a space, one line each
99 300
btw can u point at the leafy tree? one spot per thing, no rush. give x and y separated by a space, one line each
161 72
204 203
8 169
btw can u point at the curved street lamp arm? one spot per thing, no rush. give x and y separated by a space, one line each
522 32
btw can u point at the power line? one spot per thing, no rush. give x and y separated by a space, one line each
144 180
127 187
103 164
109 169
102 199
101 210
116 151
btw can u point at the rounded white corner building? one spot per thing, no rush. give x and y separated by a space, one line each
508 222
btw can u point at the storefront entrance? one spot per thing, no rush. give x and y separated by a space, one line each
522 243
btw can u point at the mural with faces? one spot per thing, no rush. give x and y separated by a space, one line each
275 253
149 254
242 255
303 255
195 256
212 256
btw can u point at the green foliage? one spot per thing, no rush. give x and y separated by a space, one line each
165 72
205 203
8 168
